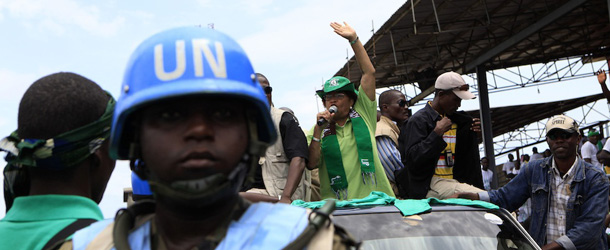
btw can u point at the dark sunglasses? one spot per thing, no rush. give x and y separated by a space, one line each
464 87
560 134
403 103
268 89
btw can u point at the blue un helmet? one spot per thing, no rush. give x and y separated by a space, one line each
185 62
188 61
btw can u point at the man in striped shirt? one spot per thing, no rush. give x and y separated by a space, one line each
394 112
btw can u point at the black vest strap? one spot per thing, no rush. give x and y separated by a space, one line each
67 231
125 219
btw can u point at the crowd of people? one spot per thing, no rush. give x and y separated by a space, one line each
222 163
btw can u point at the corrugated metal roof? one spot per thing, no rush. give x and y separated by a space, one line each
421 40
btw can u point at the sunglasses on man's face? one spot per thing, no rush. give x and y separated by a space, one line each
464 87
267 89
402 103
560 134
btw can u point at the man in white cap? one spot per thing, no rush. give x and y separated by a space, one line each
432 145
569 196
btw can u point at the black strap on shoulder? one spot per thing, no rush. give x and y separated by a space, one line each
345 238
67 231
320 219
125 219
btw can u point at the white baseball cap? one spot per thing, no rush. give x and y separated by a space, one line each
562 122
454 81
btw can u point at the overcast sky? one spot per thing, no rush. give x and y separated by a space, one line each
288 41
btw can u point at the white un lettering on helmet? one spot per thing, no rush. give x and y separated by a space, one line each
201 50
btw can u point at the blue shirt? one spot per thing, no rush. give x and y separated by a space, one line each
262 226
389 156
585 211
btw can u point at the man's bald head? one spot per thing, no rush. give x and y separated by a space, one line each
264 82
393 105
389 96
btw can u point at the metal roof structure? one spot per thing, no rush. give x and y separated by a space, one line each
424 39
526 123
504 117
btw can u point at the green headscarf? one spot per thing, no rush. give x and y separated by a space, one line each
61 152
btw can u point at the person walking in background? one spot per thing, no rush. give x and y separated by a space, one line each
547 153
486 173
589 149
509 166
518 165
535 154
525 158
603 156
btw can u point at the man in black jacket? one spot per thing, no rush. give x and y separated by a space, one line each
439 145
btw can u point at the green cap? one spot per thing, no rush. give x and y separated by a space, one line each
592 133
337 83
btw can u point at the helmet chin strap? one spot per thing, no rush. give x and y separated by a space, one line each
199 193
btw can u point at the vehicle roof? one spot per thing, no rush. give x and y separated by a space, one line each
392 209
467 224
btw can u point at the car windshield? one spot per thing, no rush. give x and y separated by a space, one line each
437 230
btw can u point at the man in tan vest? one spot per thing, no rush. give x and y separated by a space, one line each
282 172
394 112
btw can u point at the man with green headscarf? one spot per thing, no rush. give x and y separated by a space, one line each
343 142
589 148
58 161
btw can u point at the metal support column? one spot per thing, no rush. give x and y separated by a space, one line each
394 49
608 8
486 123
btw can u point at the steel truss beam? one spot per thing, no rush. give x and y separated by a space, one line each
533 75
534 133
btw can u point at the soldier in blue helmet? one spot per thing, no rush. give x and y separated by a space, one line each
193 121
